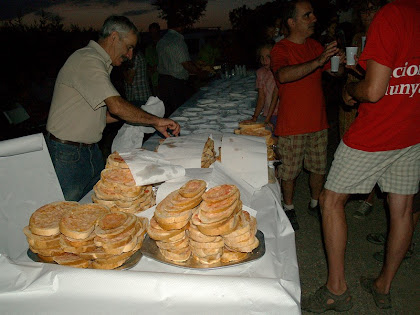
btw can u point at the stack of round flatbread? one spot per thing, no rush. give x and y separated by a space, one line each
258 130
220 217
43 232
218 230
118 191
84 236
118 236
77 233
242 239
171 219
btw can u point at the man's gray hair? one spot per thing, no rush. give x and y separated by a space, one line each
117 23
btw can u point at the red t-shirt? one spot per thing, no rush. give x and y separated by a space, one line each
394 121
301 103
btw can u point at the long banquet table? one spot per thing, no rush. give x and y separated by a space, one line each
269 285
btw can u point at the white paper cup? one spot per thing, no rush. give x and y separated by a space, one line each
335 63
350 53
363 42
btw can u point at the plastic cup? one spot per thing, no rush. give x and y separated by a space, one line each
335 63
350 53
363 42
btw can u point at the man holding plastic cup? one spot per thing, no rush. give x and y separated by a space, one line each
382 146
297 62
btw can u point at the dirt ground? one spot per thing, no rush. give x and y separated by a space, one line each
405 290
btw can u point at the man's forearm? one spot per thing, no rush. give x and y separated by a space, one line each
123 109
358 90
191 67
296 72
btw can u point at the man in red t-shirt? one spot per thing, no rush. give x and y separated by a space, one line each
382 146
302 128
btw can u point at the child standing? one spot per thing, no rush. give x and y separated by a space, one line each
268 100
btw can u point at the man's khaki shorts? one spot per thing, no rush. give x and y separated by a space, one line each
308 150
356 172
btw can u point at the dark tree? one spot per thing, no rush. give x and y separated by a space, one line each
187 12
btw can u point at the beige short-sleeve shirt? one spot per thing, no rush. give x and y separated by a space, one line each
78 110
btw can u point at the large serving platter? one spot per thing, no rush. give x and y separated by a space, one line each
128 264
150 249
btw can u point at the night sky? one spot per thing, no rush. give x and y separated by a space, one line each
92 13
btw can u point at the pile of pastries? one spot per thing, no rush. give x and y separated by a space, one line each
84 236
207 226
118 191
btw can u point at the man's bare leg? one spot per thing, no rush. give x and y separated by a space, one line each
316 183
399 238
334 227
288 187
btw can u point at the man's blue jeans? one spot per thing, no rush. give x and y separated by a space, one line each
78 168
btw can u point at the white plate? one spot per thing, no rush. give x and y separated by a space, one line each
206 100
185 132
193 109
227 130
207 131
190 114
231 125
198 121
179 118
234 118
150 249
229 105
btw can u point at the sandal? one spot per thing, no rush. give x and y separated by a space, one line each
364 210
383 301
318 302
377 238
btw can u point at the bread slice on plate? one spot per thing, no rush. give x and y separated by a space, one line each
111 262
219 193
45 220
71 260
193 188
41 242
231 256
115 160
115 223
157 233
80 222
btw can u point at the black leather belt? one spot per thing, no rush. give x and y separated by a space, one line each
77 144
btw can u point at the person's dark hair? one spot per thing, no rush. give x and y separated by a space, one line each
363 5
289 11
117 23
155 26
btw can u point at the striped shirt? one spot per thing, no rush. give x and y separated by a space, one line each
172 52
139 89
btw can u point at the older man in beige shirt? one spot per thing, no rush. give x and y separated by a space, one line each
85 100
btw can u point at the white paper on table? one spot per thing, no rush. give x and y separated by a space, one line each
130 136
222 175
246 157
21 145
28 181
149 167
185 150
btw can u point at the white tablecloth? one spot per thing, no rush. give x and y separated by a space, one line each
269 285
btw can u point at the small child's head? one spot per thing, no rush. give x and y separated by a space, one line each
263 55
